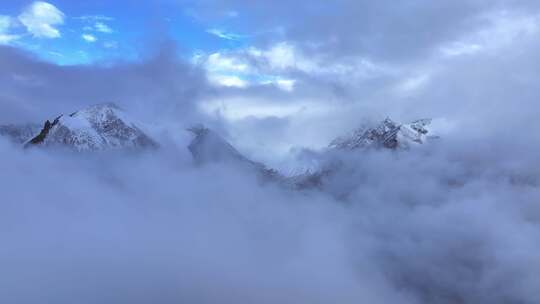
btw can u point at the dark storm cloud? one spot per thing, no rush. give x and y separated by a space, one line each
31 89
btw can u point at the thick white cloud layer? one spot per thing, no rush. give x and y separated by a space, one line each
440 224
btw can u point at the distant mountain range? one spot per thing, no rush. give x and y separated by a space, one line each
105 127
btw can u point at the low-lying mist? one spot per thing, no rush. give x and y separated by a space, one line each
443 223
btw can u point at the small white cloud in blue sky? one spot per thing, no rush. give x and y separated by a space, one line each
228 81
225 35
89 38
98 27
41 20
102 28
94 18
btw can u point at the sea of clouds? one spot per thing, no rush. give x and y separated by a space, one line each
442 223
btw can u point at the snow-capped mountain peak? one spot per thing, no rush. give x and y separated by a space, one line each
98 127
387 134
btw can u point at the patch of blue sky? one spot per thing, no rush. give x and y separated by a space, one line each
101 31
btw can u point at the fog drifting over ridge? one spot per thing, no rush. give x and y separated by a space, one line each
453 221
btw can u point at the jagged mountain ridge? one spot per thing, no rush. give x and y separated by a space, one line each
98 127
387 134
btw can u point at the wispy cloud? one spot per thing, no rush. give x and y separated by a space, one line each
56 54
103 28
6 23
94 18
226 35
41 20
89 38
6 38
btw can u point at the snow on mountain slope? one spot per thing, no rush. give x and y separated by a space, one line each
105 126
387 134
19 134
98 127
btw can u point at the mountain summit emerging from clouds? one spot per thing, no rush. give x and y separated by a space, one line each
387 134
98 127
